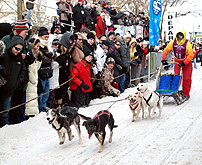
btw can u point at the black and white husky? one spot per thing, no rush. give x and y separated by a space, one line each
62 119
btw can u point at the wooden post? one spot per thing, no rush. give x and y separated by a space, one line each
19 9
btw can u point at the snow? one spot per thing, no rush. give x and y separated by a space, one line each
175 138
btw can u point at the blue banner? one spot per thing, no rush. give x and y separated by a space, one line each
154 22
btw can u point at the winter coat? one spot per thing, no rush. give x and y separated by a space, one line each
31 91
54 80
100 27
101 57
136 52
76 56
29 59
107 88
144 59
62 8
14 67
120 65
99 9
79 15
81 72
87 46
124 51
189 51
89 20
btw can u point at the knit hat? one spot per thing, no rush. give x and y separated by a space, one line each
80 0
102 12
111 33
21 25
43 31
90 35
106 42
102 35
104 4
56 41
88 52
110 60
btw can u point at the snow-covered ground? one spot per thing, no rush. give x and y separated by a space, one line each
175 138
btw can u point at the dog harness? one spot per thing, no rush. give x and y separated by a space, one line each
99 114
147 101
133 109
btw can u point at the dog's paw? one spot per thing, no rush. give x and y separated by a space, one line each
133 120
101 149
61 143
72 137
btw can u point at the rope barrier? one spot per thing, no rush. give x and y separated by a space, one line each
37 96
47 93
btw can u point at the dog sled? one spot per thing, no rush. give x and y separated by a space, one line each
168 84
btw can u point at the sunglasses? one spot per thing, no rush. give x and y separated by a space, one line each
118 44
80 39
18 49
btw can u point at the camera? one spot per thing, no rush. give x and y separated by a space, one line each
56 23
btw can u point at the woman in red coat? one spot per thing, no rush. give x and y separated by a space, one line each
100 27
81 84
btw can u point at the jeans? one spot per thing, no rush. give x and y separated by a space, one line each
122 81
195 63
43 99
4 117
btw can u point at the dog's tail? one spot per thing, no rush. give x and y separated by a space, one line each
115 126
84 117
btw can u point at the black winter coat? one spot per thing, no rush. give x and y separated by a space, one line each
89 23
14 68
79 14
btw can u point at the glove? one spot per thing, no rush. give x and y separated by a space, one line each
181 64
166 67
164 62
85 86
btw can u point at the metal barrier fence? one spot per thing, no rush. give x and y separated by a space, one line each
154 62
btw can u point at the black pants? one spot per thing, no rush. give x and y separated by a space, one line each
77 26
79 99
17 115
51 99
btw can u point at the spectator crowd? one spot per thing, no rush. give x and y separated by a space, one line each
91 62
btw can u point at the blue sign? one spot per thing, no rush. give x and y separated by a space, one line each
154 22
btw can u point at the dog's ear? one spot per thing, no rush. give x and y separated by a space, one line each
47 109
84 123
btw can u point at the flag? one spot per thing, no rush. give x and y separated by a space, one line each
154 22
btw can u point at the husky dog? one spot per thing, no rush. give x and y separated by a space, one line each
62 119
151 99
136 105
97 126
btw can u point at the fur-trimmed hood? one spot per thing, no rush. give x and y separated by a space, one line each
2 48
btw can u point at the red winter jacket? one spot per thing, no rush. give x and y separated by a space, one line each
81 72
100 27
